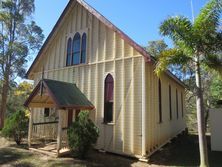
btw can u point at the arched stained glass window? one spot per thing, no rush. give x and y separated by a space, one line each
76 49
69 53
83 49
108 99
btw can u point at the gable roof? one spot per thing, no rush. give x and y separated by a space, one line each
105 21
63 94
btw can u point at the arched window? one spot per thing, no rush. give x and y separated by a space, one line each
69 53
182 103
83 49
76 49
177 107
160 101
108 99
170 102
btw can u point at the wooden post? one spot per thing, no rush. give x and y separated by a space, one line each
59 132
30 128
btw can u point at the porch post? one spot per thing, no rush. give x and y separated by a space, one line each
30 128
59 131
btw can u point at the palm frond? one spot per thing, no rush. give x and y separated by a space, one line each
179 29
171 57
207 22
214 62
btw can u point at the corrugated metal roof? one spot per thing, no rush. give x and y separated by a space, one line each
64 95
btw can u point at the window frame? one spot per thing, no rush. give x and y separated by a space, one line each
85 49
108 117
177 104
77 34
82 33
182 104
170 101
69 41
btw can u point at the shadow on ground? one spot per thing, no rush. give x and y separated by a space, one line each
184 151
9 155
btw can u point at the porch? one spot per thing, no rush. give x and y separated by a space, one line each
57 105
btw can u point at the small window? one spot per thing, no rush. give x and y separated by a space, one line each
108 101
170 102
177 107
76 49
46 112
182 103
83 49
160 101
69 53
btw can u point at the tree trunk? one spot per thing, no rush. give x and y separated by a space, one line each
5 88
200 118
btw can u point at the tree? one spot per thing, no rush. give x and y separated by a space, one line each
156 47
82 134
196 44
19 37
17 96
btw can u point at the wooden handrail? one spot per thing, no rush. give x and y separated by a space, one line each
44 123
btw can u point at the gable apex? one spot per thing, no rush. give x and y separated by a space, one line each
101 18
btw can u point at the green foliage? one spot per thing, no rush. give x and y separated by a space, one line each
203 38
82 134
216 89
17 96
156 47
16 126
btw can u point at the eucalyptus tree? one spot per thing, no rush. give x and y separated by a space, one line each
19 37
197 45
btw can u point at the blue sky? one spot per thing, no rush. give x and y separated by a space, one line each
139 19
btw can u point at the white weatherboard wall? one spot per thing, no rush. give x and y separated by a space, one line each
216 131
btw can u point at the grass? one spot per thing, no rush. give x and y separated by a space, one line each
183 151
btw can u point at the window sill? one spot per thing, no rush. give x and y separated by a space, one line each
110 123
73 65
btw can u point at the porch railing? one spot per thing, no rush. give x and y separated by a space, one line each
46 130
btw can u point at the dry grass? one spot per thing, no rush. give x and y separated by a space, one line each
183 151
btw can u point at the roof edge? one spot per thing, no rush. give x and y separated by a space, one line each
48 38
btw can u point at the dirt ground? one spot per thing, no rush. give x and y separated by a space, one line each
183 151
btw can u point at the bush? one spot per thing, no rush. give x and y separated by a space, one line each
16 126
82 134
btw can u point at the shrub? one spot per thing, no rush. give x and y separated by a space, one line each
16 126
82 134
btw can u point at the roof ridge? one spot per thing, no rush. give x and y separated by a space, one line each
59 81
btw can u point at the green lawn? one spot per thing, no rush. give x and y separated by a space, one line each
183 151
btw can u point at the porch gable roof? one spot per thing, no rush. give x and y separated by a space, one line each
63 95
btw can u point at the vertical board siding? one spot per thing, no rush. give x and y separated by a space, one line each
159 133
